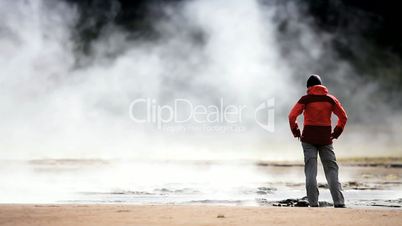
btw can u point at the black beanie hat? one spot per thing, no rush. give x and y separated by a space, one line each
313 80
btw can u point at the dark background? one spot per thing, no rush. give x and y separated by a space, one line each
367 33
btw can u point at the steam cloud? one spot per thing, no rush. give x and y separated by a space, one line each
207 50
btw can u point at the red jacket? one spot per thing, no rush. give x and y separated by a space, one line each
317 107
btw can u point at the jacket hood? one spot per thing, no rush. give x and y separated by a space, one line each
317 90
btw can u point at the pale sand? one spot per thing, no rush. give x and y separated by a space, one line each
169 215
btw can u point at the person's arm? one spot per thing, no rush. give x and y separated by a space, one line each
340 112
294 113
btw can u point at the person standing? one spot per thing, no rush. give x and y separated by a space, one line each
316 139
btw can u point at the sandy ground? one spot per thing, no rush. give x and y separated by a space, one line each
169 215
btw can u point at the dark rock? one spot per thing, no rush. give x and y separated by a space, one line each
322 185
302 203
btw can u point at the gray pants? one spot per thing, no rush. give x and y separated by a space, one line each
328 160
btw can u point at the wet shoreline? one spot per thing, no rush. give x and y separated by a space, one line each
366 184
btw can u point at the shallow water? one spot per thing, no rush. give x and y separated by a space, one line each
223 183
